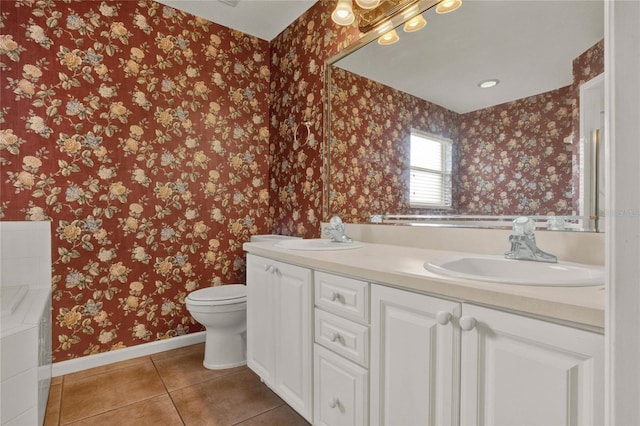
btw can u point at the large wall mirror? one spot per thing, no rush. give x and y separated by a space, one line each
527 146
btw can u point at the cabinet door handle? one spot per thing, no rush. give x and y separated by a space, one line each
335 402
335 337
468 323
443 317
268 268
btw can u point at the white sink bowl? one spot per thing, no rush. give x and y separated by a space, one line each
316 244
522 272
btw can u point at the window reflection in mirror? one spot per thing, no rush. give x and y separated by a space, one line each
430 180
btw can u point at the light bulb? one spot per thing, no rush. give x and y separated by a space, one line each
368 4
414 24
447 6
388 38
343 14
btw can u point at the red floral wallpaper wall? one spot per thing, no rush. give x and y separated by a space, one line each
513 159
370 146
142 133
297 177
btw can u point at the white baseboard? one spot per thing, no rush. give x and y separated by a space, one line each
91 361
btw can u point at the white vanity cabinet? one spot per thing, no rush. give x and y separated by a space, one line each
341 350
518 370
414 358
279 329
512 370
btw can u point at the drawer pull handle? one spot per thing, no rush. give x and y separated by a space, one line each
335 296
468 323
443 317
336 337
335 402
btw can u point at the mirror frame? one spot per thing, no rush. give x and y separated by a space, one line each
379 21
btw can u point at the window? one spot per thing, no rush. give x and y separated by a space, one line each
430 183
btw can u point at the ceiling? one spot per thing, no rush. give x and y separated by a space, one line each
528 45
264 19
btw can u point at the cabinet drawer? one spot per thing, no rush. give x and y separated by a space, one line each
342 336
346 297
340 390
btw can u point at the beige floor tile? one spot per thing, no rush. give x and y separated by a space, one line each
177 352
186 369
158 411
109 368
52 415
98 393
224 401
283 415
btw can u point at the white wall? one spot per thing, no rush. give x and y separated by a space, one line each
622 130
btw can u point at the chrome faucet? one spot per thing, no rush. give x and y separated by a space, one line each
523 243
336 231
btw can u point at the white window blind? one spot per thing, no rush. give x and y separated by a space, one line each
430 183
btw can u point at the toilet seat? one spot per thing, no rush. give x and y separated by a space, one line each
219 295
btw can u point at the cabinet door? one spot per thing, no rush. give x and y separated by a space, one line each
260 318
414 359
340 390
294 341
522 371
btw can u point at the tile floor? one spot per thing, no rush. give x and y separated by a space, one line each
168 388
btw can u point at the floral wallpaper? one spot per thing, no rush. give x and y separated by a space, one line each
142 133
513 159
297 174
370 146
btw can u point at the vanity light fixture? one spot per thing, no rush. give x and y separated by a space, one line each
368 4
414 24
388 38
343 14
446 6
487 84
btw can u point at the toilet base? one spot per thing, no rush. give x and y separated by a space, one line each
225 351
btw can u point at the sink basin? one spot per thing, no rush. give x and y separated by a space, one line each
316 244
501 270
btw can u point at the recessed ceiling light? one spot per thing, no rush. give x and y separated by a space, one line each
488 84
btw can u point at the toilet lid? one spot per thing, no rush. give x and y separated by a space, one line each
222 293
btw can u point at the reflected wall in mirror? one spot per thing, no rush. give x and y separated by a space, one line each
517 148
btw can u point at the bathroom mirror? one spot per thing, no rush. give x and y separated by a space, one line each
519 148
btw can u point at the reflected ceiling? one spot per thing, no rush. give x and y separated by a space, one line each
485 34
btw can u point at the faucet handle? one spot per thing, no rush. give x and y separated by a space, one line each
524 226
336 222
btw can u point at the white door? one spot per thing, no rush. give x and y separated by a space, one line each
414 359
522 371
294 341
260 318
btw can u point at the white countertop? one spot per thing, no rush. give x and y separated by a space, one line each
402 267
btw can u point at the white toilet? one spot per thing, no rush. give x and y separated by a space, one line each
223 312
